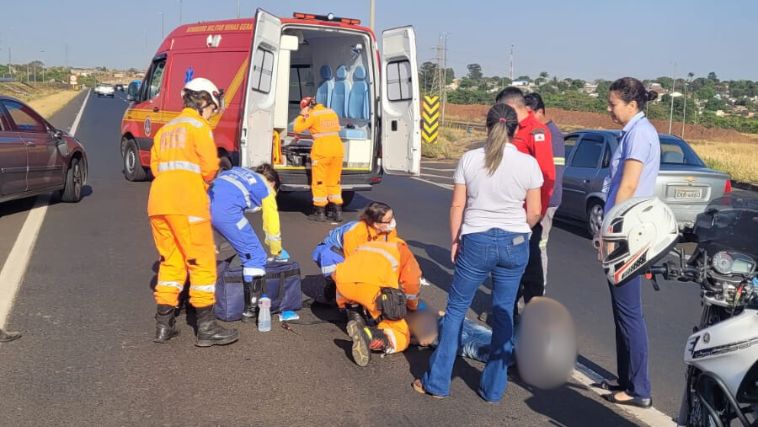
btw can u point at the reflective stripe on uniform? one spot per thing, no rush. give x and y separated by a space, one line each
273 237
320 112
559 161
240 187
203 288
323 134
253 271
188 120
195 219
328 269
393 262
411 297
319 199
171 284
178 165
390 334
242 223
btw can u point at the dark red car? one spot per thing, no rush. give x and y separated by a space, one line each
37 158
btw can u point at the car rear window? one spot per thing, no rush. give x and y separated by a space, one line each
674 151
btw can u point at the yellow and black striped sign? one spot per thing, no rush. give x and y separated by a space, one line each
430 122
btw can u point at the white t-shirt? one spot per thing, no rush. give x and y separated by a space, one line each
497 201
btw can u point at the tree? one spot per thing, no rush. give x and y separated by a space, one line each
712 77
474 71
542 79
449 76
524 78
427 74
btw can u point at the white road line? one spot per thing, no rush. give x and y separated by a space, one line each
649 416
437 169
436 176
15 265
445 186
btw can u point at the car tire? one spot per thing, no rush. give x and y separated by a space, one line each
594 216
347 198
133 170
72 190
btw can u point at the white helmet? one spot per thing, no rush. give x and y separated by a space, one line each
201 84
634 235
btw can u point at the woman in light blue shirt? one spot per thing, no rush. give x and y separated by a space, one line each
634 168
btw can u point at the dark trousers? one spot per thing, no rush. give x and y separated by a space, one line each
533 280
631 338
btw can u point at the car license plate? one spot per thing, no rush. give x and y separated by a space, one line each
688 193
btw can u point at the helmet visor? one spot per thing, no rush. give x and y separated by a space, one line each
614 250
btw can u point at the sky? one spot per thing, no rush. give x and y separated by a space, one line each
579 39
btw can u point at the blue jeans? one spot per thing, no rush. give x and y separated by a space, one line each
475 341
504 255
631 338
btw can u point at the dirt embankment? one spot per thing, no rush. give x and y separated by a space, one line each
571 120
46 100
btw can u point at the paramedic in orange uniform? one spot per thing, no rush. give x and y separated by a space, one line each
326 157
360 279
184 162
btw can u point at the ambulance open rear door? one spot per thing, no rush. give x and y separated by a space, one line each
258 119
401 132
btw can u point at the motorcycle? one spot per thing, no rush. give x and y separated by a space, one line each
722 353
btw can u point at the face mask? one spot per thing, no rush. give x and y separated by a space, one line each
387 228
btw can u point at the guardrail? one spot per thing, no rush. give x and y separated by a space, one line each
455 124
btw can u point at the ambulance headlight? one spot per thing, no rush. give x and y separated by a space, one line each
330 17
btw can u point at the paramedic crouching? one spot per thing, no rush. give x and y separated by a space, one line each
233 192
326 157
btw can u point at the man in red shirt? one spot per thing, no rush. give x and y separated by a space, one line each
532 137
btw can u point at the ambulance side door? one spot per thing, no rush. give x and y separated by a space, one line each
258 117
149 106
401 132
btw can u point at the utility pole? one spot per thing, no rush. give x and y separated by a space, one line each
443 99
372 6
673 87
511 71
684 112
163 34
43 67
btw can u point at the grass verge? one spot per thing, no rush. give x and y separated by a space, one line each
451 144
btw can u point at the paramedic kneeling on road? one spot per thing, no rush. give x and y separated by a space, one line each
326 157
377 222
184 162
233 192
384 278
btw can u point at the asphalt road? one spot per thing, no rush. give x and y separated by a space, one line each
86 310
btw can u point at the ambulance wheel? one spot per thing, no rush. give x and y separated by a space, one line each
347 197
133 170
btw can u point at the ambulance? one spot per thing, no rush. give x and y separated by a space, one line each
264 67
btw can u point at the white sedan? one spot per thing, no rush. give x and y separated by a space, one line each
105 90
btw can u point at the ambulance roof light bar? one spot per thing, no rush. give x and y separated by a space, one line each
329 17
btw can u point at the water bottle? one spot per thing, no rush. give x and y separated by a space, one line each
264 313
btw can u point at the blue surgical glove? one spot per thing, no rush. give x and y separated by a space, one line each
283 256
422 306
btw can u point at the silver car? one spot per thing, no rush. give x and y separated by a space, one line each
684 183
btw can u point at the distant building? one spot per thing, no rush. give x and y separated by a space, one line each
452 86
590 88
657 88
520 83
720 113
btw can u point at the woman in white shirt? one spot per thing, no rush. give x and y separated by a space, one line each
489 229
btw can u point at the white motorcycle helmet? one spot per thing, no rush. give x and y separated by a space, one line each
201 84
634 235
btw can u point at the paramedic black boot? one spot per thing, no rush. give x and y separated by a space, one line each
337 213
252 292
366 340
209 332
165 324
318 215
355 312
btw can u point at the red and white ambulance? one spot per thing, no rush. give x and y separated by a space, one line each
265 66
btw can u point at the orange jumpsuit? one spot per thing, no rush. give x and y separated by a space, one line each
362 233
326 155
375 265
184 161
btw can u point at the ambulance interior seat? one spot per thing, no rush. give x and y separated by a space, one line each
326 87
357 107
340 92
